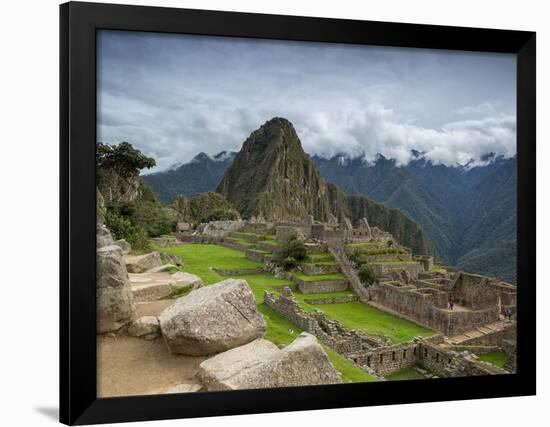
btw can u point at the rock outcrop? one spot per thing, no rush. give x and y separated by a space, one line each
171 259
143 263
273 177
146 327
115 306
124 245
260 364
212 319
103 236
184 281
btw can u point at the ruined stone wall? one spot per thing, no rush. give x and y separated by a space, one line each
510 348
328 331
334 237
474 291
428 307
462 321
385 257
385 269
495 338
332 300
321 286
389 359
434 358
403 299
450 363
426 261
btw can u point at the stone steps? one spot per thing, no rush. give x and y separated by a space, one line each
478 332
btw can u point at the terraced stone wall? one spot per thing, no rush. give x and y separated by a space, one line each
386 360
428 307
332 300
330 332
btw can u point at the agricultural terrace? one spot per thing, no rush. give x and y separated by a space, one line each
201 259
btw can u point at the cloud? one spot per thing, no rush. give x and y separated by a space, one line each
175 96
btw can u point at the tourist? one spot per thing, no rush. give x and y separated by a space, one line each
451 303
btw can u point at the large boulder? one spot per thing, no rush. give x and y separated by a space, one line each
212 319
184 281
215 372
124 245
103 236
260 365
115 306
146 327
143 263
171 259
110 268
151 291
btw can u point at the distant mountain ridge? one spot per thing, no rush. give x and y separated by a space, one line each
468 212
271 176
200 175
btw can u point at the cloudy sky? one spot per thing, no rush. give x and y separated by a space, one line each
173 96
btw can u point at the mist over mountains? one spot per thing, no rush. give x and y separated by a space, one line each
469 213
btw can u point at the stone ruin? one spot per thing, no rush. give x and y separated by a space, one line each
377 356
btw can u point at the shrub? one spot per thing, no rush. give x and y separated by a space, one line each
123 228
390 243
291 254
366 275
221 215
355 257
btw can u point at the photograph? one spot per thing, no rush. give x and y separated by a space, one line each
282 213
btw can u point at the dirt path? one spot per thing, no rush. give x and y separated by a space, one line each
131 366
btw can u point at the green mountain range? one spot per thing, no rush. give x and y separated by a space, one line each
469 213
272 176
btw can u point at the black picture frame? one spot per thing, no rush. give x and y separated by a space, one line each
78 25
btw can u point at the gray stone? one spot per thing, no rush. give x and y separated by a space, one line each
303 362
110 268
161 268
103 236
146 327
124 245
212 319
172 259
143 263
115 308
151 291
185 280
214 372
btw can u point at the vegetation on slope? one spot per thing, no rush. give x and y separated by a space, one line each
272 176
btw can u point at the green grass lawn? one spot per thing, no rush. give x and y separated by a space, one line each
496 358
321 263
321 256
200 258
258 235
365 245
356 315
282 331
319 277
240 241
405 374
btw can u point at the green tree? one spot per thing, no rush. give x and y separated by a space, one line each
291 254
366 275
182 208
122 158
